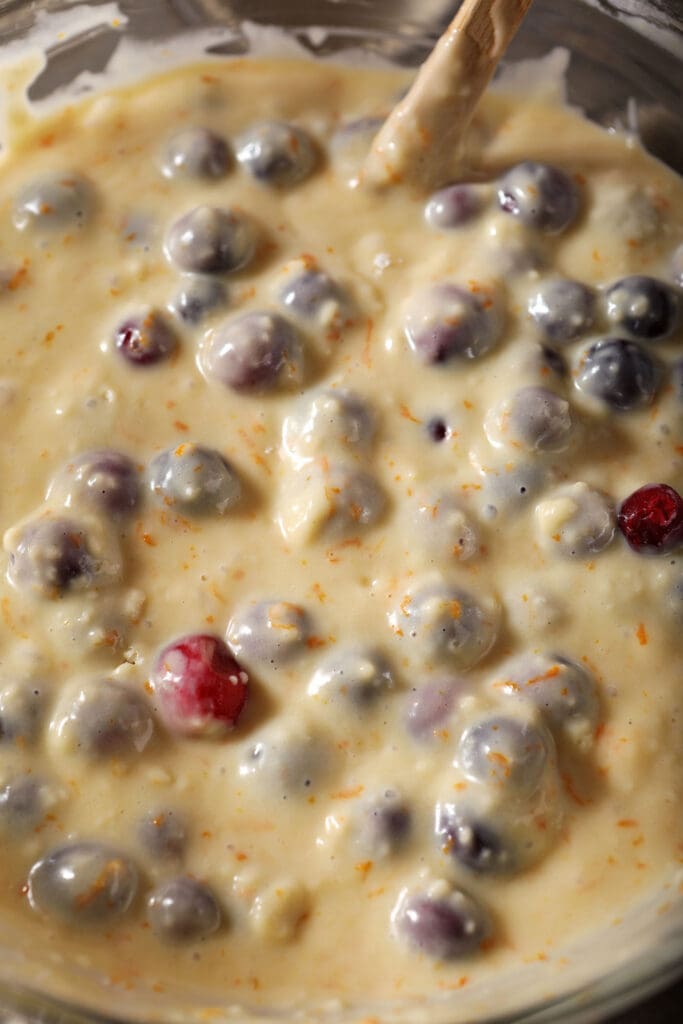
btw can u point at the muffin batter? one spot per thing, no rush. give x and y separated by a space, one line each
340 644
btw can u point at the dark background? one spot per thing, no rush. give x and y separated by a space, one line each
666 1008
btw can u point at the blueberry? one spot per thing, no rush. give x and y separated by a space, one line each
367 126
618 372
675 600
106 719
514 257
447 322
276 154
196 153
576 521
452 206
562 309
505 752
50 556
448 624
327 420
540 196
58 199
353 501
677 380
287 761
437 429
533 419
146 339
105 479
198 298
550 359
253 352
332 503
83 883
352 678
22 805
513 485
312 295
447 925
193 479
351 142
430 707
445 530
210 240
642 306
163 834
21 712
677 265
183 910
138 229
270 631
382 824
565 692
474 843
358 132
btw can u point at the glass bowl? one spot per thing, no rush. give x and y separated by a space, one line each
626 71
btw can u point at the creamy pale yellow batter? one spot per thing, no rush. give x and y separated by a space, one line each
400 515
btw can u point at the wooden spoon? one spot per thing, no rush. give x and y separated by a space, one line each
419 140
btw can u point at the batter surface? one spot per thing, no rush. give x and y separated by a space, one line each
335 662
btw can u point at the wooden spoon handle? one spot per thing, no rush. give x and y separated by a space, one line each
419 140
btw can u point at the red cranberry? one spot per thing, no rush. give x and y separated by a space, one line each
200 688
651 519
